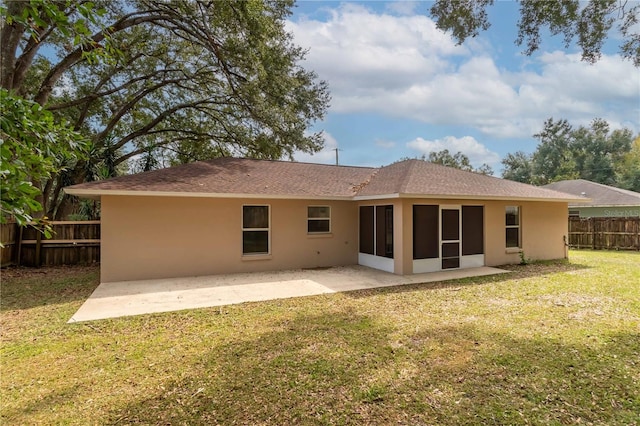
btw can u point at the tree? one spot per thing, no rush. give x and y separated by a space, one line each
187 79
553 160
457 161
628 173
32 147
594 153
590 23
597 151
517 167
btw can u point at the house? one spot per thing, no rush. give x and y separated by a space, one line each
240 215
606 201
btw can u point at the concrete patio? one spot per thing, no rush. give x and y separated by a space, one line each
126 298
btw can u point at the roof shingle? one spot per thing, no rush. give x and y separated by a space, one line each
600 195
237 176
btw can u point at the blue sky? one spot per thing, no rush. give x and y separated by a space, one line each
401 88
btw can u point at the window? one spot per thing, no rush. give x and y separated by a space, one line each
512 222
255 229
318 219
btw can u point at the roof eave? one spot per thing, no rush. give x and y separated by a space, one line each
467 197
607 205
96 194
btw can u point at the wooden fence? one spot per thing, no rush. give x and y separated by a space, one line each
72 243
608 233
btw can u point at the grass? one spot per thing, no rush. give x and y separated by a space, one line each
550 343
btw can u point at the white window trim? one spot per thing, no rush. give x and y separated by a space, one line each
319 218
518 227
268 253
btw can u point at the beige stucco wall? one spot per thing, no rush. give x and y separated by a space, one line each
160 237
543 224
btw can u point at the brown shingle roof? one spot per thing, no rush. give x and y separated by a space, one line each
416 177
601 195
240 176
236 176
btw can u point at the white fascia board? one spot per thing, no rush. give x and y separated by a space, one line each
96 194
375 197
468 197
605 205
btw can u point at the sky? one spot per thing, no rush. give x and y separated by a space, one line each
402 88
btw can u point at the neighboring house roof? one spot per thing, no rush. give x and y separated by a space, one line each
600 195
239 177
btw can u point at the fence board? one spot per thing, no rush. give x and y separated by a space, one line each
608 233
8 236
72 243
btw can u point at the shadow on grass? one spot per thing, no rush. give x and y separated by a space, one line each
530 270
25 288
342 368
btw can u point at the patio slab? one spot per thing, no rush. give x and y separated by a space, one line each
126 298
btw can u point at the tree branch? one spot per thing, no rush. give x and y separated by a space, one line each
76 56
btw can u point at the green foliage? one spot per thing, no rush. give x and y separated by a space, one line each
523 258
457 161
192 80
33 146
553 160
593 153
628 170
517 167
588 24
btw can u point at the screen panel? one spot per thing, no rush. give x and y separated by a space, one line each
425 232
366 229
472 230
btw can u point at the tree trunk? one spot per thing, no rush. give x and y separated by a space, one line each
10 36
57 204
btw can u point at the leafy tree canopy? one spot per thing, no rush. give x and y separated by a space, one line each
186 79
593 153
590 23
458 161
32 146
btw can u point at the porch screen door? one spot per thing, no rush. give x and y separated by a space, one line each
450 238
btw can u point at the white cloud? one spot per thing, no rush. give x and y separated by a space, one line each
358 50
403 66
326 156
469 146
402 7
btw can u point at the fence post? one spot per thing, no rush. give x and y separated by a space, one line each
15 250
593 232
19 244
38 260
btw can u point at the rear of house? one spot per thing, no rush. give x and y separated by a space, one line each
239 215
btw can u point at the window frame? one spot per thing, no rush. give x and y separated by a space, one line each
309 218
268 230
382 230
518 226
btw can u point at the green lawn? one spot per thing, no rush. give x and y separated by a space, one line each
550 343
